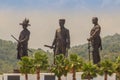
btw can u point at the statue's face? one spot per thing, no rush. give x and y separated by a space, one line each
94 20
24 26
61 23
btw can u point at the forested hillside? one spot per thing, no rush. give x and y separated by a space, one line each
8 61
8 56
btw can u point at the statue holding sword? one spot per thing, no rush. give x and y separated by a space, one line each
61 42
22 46
95 41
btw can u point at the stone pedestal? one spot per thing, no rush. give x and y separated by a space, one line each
11 76
49 76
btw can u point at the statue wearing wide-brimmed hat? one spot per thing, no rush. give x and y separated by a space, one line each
23 40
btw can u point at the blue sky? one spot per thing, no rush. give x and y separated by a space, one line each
61 5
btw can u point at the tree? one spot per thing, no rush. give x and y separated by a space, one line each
106 68
25 66
89 70
75 64
117 67
61 66
40 61
66 66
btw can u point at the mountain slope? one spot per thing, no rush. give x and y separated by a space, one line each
111 48
8 56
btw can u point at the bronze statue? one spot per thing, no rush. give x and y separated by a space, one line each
22 46
61 41
95 40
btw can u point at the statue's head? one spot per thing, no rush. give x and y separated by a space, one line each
94 20
25 23
61 22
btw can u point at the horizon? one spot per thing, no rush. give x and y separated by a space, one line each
71 46
44 14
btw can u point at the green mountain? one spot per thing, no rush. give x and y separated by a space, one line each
110 44
8 53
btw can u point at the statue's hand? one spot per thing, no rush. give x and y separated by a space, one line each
68 47
19 41
88 39
100 48
51 47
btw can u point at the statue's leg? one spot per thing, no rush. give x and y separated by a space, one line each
60 50
57 51
18 55
64 51
19 51
96 55
25 52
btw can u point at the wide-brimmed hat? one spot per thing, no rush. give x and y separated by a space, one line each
25 22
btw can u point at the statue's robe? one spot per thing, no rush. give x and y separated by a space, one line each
23 45
96 43
61 41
